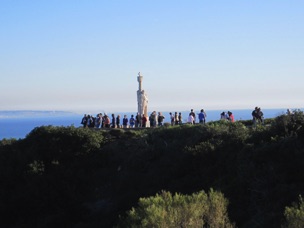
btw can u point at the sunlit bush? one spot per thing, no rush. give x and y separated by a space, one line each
294 214
166 210
289 125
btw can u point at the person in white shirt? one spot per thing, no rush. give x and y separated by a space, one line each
190 119
172 118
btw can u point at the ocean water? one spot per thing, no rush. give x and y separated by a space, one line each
17 124
20 127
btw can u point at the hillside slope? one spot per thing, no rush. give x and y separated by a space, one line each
76 177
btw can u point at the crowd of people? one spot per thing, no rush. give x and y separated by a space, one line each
257 116
105 121
227 116
156 119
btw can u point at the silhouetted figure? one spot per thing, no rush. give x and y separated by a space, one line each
132 121
113 123
84 120
160 119
202 117
192 114
118 121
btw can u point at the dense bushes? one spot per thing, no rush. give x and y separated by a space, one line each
170 211
47 177
294 214
289 125
60 176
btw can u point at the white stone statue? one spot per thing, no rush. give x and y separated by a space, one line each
142 98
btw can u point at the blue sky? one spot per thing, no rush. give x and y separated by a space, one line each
85 55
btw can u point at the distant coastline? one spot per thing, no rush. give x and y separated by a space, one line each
43 113
17 124
32 113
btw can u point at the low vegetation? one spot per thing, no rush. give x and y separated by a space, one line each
295 214
170 211
181 176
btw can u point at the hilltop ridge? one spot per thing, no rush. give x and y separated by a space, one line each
81 177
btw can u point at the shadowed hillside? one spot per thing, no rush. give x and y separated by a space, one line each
74 177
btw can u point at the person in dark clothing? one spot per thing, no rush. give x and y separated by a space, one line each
91 121
138 121
257 116
160 119
202 117
144 120
192 114
260 116
84 120
97 121
118 121
113 125
125 121
180 118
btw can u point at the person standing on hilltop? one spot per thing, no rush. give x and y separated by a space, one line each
171 118
223 116
202 117
106 121
102 120
192 114
260 116
231 116
84 120
132 121
118 121
180 118
91 121
144 120
160 119
138 120
190 119
176 119
97 121
205 115
125 121
113 124
254 116
152 119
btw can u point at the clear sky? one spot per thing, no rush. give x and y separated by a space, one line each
84 56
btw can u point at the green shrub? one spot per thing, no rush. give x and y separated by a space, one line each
167 124
134 133
166 210
289 125
220 134
294 215
116 132
5 141
61 141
